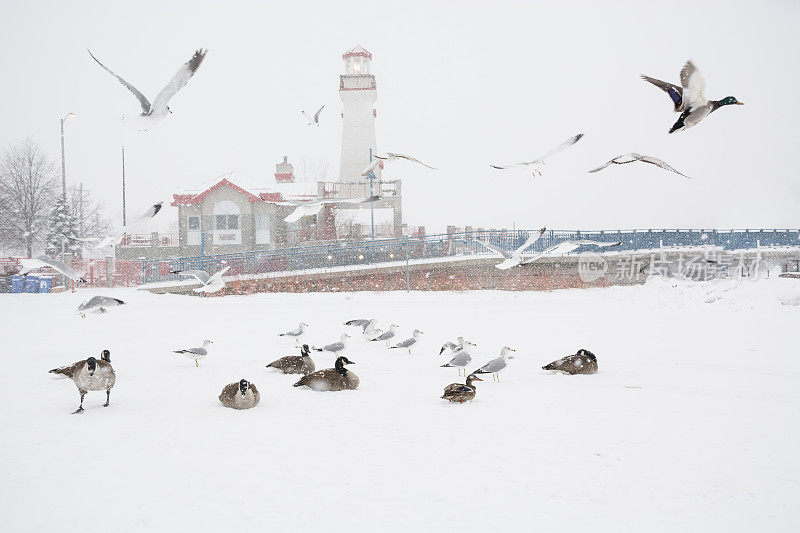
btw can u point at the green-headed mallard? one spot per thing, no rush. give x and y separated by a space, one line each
689 99
459 392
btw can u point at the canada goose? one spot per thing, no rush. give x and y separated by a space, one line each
409 343
583 362
458 392
295 364
295 333
196 353
461 358
69 371
94 375
331 379
241 395
496 365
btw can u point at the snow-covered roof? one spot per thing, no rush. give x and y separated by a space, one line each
273 192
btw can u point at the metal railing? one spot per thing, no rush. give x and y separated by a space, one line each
442 246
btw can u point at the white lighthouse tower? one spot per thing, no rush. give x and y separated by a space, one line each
358 93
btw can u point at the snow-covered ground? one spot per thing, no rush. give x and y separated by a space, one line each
692 423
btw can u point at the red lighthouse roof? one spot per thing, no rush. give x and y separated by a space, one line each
357 50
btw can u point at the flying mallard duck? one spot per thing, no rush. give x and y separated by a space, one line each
689 99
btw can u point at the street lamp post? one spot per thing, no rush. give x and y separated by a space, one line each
371 177
63 165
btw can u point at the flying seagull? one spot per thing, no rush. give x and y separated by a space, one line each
538 163
98 304
689 99
312 207
567 246
196 353
116 236
208 282
389 156
45 261
313 121
159 108
632 157
516 257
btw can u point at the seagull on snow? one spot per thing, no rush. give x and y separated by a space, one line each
98 304
196 353
496 365
537 164
159 108
512 259
632 157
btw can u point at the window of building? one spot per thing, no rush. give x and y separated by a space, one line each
193 236
227 227
262 229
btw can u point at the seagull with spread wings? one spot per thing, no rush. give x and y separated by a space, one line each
29 264
315 120
515 257
389 156
537 164
114 237
158 109
565 247
689 99
304 208
632 157
208 282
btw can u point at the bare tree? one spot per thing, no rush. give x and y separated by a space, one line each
88 214
28 187
313 169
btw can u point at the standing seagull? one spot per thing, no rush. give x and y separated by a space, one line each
45 261
512 259
387 335
335 348
159 108
312 207
632 157
313 121
409 343
296 333
689 99
538 163
453 346
196 353
496 365
462 358
389 156
209 283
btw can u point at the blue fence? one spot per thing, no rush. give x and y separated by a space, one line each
438 246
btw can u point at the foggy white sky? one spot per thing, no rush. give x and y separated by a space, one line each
460 85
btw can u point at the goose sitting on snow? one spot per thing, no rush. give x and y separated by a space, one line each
459 392
241 395
583 362
331 379
295 364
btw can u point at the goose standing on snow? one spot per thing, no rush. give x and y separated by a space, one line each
462 358
94 375
537 164
98 304
689 99
459 392
196 353
408 344
69 371
159 108
386 336
632 157
331 379
208 282
241 395
296 333
494 366
295 364
336 347
583 362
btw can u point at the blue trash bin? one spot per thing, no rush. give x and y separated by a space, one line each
17 284
45 284
31 284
